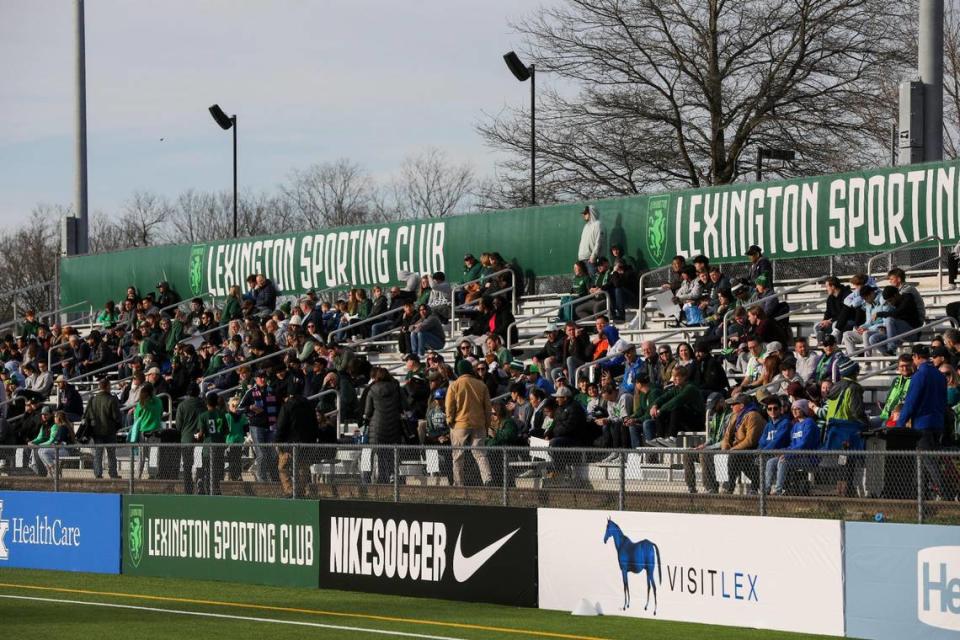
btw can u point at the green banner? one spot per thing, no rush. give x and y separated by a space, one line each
818 216
222 538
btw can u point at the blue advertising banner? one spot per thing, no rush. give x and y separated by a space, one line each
902 581
61 531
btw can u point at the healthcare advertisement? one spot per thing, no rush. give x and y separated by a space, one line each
902 581
60 531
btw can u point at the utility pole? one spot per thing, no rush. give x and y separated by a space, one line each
81 244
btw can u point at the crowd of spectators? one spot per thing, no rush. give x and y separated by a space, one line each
253 370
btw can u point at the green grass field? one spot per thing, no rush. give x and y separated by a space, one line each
48 604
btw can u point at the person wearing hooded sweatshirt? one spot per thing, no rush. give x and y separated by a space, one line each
591 239
468 411
804 435
776 434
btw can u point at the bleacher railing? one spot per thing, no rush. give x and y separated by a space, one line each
899 486
553 311
889 256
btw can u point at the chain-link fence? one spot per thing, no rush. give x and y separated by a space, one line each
903 486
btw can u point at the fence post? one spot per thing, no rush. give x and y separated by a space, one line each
919 488
208 449
133 454
293 480
396 473
762 488
504 472
56 468
622 497
831 264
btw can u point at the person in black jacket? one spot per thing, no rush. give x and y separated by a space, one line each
69 400
902 318
708 372
382 409
569 428
838 317
296 424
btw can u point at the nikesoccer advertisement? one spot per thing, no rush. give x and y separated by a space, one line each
477 554
770 573
221 538
61 531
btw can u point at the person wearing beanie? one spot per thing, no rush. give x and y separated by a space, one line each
804 435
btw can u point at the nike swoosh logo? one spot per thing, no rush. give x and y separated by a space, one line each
464 568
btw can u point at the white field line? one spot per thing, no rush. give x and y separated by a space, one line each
234 617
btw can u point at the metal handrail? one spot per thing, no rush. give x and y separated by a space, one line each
640 320
576 372
889 254
899 337
247 363
205 294
50 352
365 321
773 294
169 405
468 304
47 314
578 321
548 311
512 288
115 365
336 394
219 327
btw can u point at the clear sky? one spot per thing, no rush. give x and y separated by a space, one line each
311 81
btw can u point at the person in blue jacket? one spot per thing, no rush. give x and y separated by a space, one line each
924 408
776 435
804 436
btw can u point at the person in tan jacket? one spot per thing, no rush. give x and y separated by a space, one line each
743 433
468 412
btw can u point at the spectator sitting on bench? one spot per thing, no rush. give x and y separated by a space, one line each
804 436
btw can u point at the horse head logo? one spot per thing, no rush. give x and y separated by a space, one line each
635 557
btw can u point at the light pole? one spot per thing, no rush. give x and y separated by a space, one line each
522 72
229 122
773 154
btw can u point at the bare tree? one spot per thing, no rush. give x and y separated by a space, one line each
431 186
141 224
28 260
676 93
332 194
951 80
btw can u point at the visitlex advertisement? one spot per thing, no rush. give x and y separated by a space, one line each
769 573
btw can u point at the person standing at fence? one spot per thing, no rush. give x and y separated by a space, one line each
924 408
261 406
717 416
102 418
237 429
296 425
383 415
469 415
188 424
212 432
147 416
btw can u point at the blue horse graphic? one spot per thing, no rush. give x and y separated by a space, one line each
635 557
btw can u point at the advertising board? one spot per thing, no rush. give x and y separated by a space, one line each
769 573
221 538
902 581
477 554
60 531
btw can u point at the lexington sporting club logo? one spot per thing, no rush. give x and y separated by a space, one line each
196 269
657 209
4 528
635 557
698 581
135 539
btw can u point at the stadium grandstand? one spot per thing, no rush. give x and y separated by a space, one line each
741 340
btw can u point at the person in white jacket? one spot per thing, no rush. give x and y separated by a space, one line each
591 239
